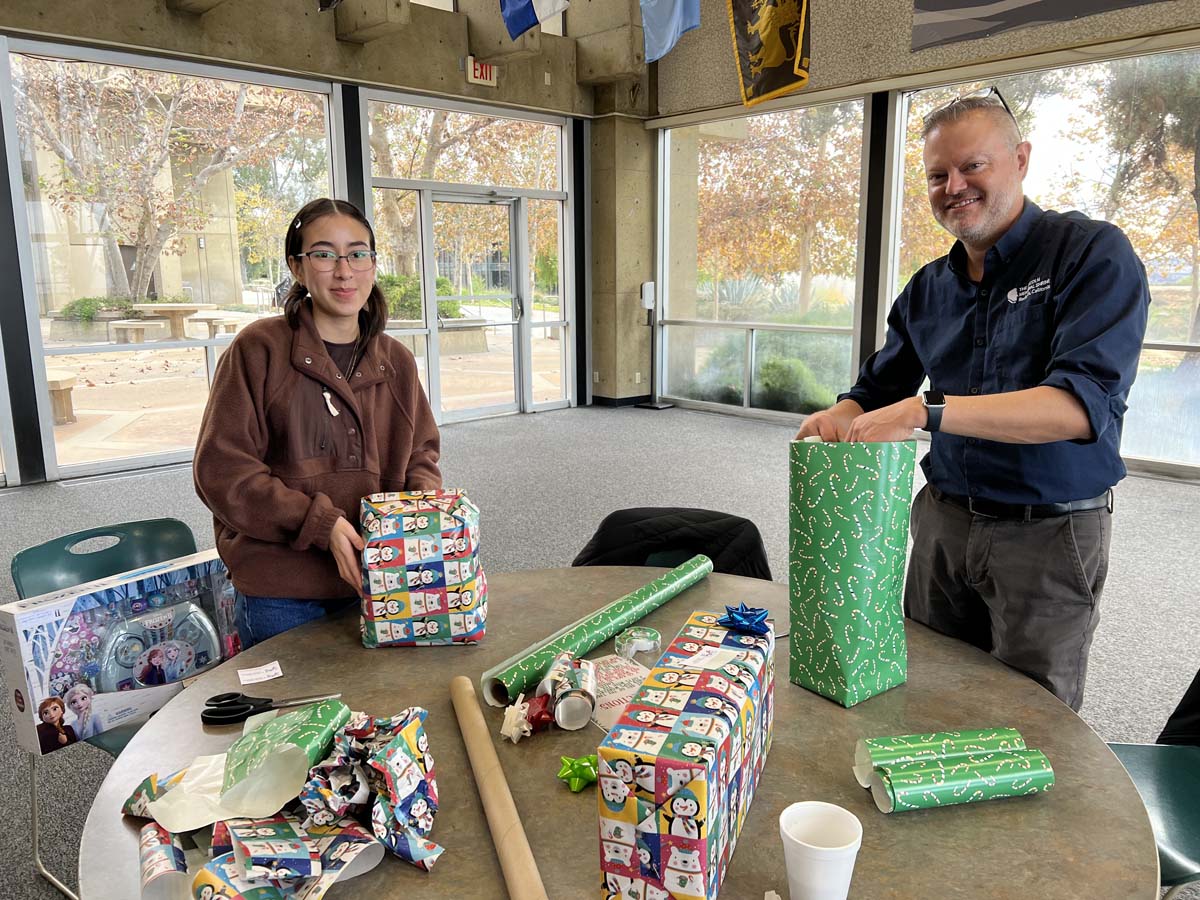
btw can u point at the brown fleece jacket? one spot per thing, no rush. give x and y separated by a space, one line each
277 468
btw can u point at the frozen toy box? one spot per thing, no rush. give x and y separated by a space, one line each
85 659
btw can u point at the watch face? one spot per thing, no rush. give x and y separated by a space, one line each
935 398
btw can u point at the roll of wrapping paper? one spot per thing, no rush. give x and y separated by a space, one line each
872 752
965 778
521 875
515 675
849 537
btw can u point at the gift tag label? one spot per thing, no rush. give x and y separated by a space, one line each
260 673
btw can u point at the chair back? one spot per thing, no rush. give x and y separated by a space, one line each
58 564
668 536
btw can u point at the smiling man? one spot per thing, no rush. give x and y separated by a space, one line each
1029 331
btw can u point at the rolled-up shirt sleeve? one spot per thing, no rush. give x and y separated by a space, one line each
894 372
1102 313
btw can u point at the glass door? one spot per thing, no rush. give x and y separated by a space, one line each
475 301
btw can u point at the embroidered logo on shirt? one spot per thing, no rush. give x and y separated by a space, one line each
1039 284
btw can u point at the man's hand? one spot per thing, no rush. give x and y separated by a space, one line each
345 544
831 424
891 423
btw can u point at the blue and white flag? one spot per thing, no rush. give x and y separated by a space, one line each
663 21
521 15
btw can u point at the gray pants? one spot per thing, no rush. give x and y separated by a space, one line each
1026 592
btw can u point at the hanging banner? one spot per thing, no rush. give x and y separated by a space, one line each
771 47
937 22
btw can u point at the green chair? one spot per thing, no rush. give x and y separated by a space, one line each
1168 778
66 562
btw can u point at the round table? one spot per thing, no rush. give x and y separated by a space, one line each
1089 837
176 313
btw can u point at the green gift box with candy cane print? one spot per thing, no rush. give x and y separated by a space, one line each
848 516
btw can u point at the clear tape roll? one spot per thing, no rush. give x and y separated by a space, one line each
638 639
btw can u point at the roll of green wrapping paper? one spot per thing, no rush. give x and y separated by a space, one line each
965 778
501 684
849 536
872 752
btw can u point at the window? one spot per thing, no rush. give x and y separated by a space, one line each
1120 141
469 209
762 238
157 204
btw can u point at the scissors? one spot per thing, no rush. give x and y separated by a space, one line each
233 707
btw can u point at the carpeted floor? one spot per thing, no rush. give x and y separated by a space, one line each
544 482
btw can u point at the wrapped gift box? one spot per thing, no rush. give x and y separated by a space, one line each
679 769
422 581
86 659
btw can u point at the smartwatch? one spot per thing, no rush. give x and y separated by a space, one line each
935 402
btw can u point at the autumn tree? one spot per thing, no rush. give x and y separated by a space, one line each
137 148
782 198
415 143
269 193
1151 108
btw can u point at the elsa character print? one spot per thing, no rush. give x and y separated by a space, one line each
79 701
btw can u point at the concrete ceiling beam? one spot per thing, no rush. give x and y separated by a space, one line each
195 7
487 36
361 21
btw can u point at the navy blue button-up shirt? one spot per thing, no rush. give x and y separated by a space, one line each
1063 302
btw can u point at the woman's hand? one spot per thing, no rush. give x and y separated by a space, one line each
345 544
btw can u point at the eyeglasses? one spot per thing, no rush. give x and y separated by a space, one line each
991 95
327 260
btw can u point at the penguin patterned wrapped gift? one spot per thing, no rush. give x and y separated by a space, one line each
679 768
422 582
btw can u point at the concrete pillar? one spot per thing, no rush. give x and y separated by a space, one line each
622 256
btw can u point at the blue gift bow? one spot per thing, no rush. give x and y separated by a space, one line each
746 619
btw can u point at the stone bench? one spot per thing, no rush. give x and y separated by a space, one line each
216 324
61 382
132 331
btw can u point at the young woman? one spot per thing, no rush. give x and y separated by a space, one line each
308 413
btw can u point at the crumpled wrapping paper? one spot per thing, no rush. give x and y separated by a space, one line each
262 772
377 768
383 764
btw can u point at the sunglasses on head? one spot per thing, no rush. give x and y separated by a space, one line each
990 94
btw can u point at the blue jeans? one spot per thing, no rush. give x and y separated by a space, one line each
259 618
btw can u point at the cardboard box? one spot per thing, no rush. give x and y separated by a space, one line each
83 660
679 769
422 581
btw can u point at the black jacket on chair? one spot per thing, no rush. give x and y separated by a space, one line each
1184 725
668 536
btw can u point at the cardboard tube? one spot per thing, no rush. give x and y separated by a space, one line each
521 875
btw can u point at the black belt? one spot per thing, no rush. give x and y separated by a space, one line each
992 509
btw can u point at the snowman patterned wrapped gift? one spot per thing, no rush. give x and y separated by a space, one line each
422 582
679 768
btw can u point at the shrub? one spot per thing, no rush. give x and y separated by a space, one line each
403 295
789 385
85 308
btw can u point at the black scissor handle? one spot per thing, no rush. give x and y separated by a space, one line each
231 698
227 714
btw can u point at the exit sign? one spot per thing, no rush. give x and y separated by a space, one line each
481 72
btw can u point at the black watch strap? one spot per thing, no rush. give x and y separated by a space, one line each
935 402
